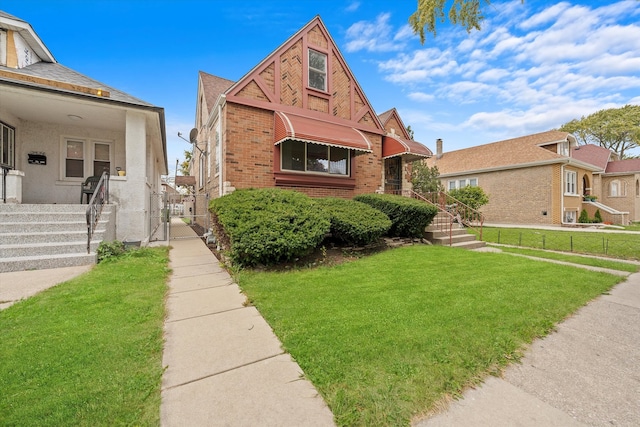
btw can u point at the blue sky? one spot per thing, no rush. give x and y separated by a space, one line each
534 65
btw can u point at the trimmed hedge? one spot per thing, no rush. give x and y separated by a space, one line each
267 226
353 222
409 217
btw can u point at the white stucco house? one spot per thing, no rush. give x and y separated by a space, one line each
58 127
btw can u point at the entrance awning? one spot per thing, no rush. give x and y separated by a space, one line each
394 145
306 129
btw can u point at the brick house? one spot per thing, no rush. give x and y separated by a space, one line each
536 179
298 120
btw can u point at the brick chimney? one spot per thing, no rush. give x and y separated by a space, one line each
438 148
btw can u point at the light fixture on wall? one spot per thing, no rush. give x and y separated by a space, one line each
74 117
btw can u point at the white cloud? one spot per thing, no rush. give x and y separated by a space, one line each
421 96
373 36
353 6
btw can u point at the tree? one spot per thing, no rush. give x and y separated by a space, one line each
617 129
184 166
466 13
410 132
425 179
474 197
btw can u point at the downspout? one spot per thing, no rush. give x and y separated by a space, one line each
219 147
562 177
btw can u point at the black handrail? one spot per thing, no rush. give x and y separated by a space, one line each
5 171
99 198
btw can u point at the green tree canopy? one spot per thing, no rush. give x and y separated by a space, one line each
466 13
474 197
184 166
425 179
617 129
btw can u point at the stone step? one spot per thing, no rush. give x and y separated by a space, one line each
52 208
472 244
70 235
455 239
46 261
49 248
42 216
38 227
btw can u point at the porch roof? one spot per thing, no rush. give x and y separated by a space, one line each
315 131
394 145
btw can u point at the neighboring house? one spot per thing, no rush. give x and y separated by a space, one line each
59 127
534 179
621 187
298 120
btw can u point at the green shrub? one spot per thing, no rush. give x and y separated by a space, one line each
584 217
409 217
354 222
597 217
474 197
267 226
108 250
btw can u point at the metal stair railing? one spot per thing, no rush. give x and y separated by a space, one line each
94 209
461 213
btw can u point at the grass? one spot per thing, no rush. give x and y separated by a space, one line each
619 245
388 337
87 352
611 264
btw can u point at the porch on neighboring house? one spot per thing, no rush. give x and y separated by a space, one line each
58 128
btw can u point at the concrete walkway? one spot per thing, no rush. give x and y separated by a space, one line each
585 374
224 365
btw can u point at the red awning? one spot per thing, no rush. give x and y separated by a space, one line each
393 145
307 129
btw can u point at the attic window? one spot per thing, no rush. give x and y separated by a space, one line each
317 70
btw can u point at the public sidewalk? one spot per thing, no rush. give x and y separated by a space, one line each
224 366
587 373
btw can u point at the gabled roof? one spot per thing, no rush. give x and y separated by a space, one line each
272 98
624 166
213 87
592 154
47 75
393 114
27 32
506 154
400 144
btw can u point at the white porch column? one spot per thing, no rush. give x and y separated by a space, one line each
14 186
132 220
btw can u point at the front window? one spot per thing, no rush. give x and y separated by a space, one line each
74 163
617 188
317 70
314 158
7 146
461 183
570 182
101 159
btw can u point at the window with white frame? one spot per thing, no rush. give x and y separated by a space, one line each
201 172
570 216
461 183
7 146
217 157
563 148
317 70
570 180
83 158
617 188
314 158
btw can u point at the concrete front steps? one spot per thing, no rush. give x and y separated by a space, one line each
36 237
438 234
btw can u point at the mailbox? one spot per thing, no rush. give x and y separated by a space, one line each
37 159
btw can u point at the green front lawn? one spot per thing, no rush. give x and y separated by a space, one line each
386 337
88 351
619 245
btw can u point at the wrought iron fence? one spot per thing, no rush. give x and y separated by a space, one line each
613 244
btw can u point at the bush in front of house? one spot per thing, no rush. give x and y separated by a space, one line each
353 222
474 197
597 217
268 225
409 217
584 217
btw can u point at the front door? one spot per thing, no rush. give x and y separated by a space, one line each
393 175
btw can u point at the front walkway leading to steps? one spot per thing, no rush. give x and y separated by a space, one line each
224 365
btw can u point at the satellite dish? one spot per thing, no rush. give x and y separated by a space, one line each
193 135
